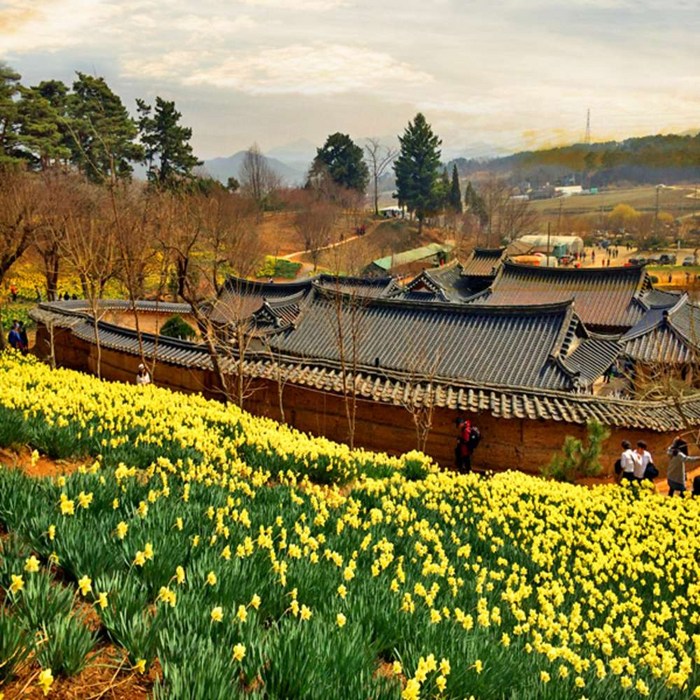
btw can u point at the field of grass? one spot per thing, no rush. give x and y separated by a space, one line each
217 553
674 200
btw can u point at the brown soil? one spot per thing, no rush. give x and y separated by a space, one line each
107 675
44 466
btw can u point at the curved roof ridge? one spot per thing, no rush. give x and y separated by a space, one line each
682 301
617 270
473 309
276 302
242 284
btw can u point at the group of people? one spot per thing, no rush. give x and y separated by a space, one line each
17 338
637 465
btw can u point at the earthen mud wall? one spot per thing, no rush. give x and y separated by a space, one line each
506 443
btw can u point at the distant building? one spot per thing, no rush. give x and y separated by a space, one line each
410 261
542 243
568 190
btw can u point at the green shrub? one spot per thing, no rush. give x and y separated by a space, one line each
42 600
64 645
177 327
279 267
575 459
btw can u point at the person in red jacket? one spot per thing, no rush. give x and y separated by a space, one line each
463 457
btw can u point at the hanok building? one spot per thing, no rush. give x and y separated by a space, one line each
609 300
454 281
664 349
525 358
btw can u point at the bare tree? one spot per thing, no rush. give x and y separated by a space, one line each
347 305
379 158
315 222
419 395
59 192
200 241
20 204
258 179
231 241
88 244
134 212
507 218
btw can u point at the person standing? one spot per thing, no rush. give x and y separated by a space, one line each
142 376
643 461
14 338
463 460
675 474
628 460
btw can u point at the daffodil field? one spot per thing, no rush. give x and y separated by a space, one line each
251 560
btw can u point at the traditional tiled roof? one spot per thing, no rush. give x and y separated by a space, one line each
605 298
444 283
399 389
241 298
366 287
142 305
483 262
665 336
495 345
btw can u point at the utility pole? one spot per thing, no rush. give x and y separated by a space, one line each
549 238
587 137
561 206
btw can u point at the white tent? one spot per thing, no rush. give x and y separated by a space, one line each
540 241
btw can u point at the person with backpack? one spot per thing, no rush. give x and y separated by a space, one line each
675 475
645 467
630 461
468 437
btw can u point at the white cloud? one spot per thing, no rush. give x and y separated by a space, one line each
298 5
207 27
47 24
320 69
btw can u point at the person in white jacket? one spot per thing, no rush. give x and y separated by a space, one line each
629 461
643 461
142 376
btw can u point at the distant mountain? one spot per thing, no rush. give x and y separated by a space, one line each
301 150
474 151
667 158
223 168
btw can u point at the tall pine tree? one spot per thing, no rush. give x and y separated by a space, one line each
166 142
102 134
417 167
454 201
342 160
9 89
42 130
475 204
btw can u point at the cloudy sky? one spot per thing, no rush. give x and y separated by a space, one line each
511 73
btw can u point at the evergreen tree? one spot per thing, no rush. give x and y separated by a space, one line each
455 197
475 204
101 132
441 192
168 153
416 168
42 131
341 160
9 89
